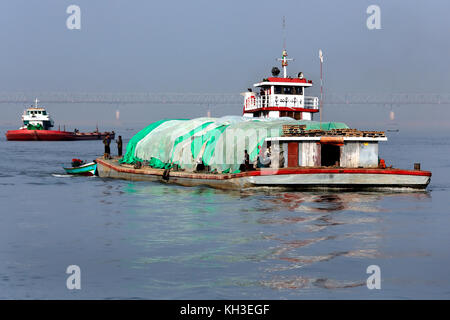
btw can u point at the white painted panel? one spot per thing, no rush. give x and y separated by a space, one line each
285 149
368 154
306 116
309 156
350 155
300 147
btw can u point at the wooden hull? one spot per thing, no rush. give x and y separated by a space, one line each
92 135
293 178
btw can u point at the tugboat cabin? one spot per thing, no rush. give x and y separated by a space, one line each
277 97
36 117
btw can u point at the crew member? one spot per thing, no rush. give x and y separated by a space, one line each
119 146
107 142
263 159
246 165
246 160
281 159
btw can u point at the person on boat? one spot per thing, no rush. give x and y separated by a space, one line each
200 165
119 146
281 159
246 160
107 142
263 160
246 165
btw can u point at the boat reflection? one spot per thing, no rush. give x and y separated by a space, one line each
329 202
323 227
295 240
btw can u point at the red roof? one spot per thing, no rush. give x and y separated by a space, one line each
295 80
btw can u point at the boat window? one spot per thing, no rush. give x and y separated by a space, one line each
44 113
277 90
298 90
288 90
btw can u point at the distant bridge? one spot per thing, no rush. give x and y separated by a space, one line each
212 99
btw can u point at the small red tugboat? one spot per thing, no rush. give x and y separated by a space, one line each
36 127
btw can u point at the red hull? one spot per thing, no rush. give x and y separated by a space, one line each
38 135
53 135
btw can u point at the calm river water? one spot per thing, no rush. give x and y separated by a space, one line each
155 241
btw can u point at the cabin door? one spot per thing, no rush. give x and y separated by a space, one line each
293 154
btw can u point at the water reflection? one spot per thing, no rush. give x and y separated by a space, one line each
272 240
308 283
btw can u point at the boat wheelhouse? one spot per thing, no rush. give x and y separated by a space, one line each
36 117
277 97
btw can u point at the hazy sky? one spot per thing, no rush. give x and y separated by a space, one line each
222 46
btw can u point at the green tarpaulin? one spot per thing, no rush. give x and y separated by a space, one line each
216 142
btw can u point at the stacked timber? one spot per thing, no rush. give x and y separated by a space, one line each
300 131
356 133
293 130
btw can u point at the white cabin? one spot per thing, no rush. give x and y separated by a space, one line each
37 116
277 97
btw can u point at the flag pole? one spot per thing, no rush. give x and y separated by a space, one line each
321 87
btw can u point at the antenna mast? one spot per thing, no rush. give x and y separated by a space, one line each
284 60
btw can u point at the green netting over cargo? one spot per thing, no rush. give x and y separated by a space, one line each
217 142
129 156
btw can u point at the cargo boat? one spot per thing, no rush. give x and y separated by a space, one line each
94 135
318 155
311 178
37 125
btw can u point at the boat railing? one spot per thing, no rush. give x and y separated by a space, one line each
311 102
264 101
257 102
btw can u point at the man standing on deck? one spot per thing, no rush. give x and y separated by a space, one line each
119 146
246 165
246 160
107 142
